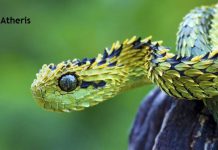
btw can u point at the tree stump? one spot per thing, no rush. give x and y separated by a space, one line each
165 123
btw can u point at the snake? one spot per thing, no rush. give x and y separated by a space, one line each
191 73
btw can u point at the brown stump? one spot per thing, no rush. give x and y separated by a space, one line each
164 123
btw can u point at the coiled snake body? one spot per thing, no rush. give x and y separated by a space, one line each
191 74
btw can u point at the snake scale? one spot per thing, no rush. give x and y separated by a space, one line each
190 74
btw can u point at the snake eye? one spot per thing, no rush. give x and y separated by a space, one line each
68 82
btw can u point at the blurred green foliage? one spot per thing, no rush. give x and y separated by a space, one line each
61 30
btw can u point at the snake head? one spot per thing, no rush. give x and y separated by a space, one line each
73 85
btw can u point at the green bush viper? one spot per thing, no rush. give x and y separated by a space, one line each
190 74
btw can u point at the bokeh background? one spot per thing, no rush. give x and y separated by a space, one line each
62 30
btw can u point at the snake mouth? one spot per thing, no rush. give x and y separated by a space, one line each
52 105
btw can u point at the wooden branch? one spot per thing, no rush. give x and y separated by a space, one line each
164 123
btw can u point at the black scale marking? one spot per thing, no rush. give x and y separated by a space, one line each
86 84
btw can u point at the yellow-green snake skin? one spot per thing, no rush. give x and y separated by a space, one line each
190 74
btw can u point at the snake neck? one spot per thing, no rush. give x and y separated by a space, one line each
125 65
131 63
134 62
